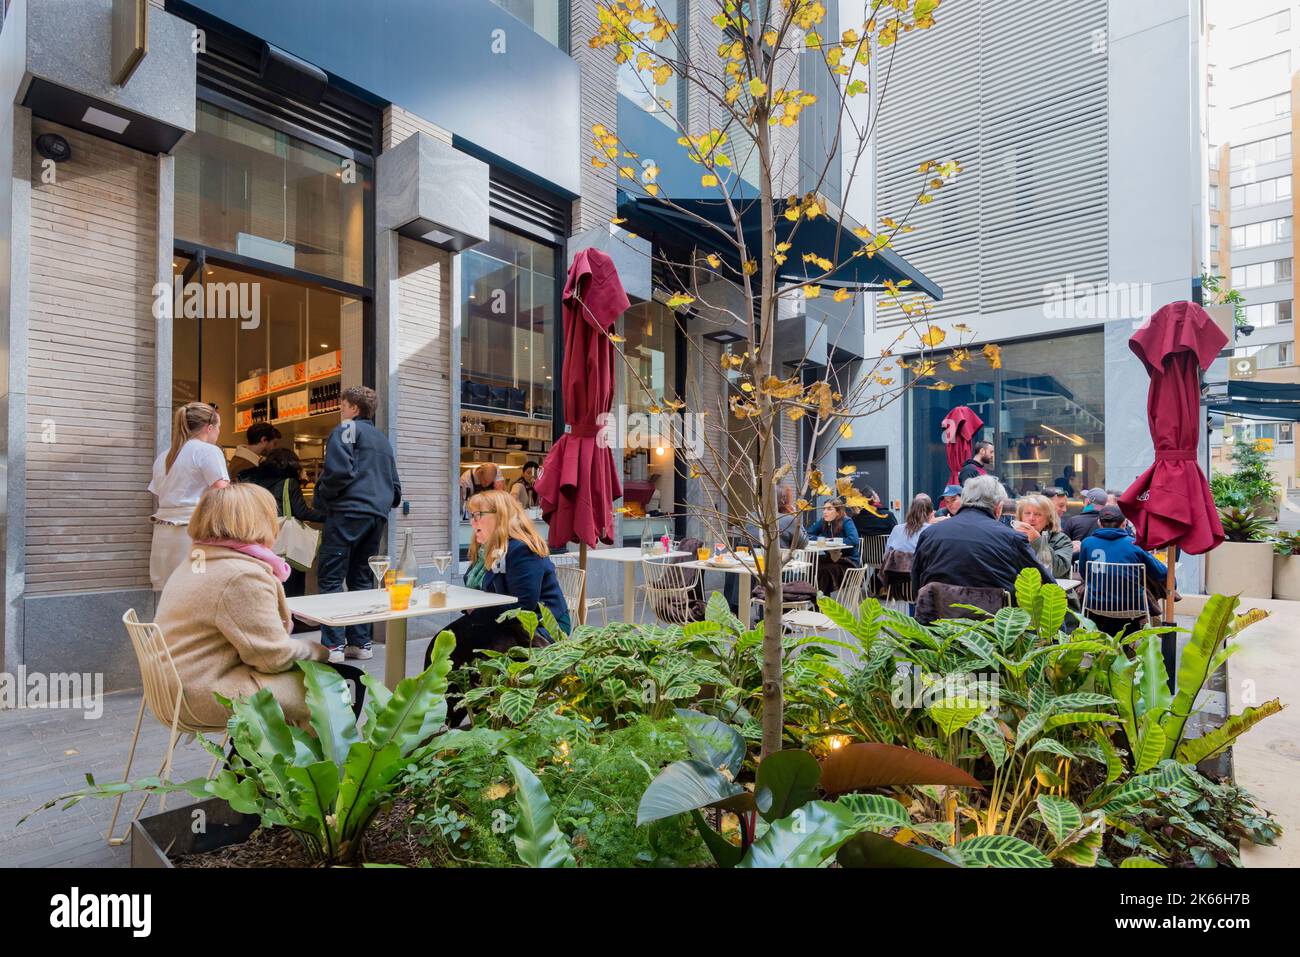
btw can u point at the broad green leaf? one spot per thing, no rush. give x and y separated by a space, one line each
696 629
953 715
318 791
367 773
417 707
1153 681
1030 726
1194 662
1114 765
715 743
1195 750
1053 605
990 735
868 849
517 703
808 838
538 840
1028 585
1139 861
240 793
719 612
1083 850
999 850
1081 700
1151 744
1059 816
261 719
1077 717
980 647
876 811
1123 686
329 704
786 781
1052 746
684 786
1008 625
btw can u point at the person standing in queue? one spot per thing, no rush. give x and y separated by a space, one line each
506 557
356 490
279 469
260 440
193 464
980 463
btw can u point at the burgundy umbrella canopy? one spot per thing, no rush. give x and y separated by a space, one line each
959 428
579 482
1170 503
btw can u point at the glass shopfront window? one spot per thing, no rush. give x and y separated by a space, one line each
251 190
1043 410
646 374
508 384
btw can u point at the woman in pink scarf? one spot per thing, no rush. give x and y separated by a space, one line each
223 612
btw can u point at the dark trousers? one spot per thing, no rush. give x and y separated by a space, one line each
345 549
475 632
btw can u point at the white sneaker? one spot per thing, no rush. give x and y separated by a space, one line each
358 652
336 656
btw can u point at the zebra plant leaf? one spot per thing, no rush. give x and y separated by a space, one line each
1195 750
998 850
1151 744
990 735
953 715
1060 816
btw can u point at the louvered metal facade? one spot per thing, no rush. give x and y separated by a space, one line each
517 205
1021 103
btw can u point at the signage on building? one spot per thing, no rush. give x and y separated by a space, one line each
1242 367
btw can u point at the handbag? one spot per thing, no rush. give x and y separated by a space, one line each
297 543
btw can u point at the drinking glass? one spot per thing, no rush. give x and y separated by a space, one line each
759 556
437 594
442 561
703 552
399 595
379 567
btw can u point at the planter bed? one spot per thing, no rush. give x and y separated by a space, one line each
236 840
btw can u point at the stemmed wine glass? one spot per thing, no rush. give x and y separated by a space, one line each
379 567
442 561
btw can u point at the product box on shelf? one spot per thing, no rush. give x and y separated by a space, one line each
291 404
327 363
250 387
243 419
287 376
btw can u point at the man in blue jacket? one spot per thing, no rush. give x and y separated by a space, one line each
1114 544
356 490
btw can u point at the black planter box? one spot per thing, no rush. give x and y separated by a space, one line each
155 840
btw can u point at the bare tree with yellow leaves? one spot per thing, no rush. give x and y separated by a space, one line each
749 80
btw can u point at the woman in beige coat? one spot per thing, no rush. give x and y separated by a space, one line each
223 612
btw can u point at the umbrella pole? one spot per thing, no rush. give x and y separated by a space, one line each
582 591
1169 642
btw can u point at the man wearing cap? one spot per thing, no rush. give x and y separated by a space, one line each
1110 542
949 501
1080 526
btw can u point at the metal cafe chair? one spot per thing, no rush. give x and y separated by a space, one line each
806 621
1117 590
669 593
873 551
164 695
800 568
571 579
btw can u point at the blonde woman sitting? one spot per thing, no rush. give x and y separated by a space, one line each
506 557
223 614
1038 521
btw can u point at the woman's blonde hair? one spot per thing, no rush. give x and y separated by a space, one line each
190 419
1044 506
242 512
512 522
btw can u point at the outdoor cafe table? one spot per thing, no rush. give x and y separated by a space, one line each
372 605
746 570
1069 584
630 557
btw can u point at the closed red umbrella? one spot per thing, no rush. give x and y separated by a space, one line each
579 482
1170 504
959 429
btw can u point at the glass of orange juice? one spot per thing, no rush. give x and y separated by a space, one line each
399 595
759 558
703 552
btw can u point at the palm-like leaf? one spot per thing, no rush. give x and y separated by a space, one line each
538 839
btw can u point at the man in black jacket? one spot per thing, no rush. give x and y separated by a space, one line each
979 463
973 548
356 490
1080 526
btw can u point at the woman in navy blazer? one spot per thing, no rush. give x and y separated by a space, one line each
506 557
833 566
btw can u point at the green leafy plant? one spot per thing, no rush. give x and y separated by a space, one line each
1286 543
1223 295
1250 484
328 786
1243 525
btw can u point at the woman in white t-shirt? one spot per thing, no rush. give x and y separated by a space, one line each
181 475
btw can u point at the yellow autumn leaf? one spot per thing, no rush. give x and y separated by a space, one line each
751 267
708 179
617 221
627 172
747 387
599 163
812 292
770 38
848 470
680 299
616 338
841 295
795 413
933 337
994 355
599 130
757 88
652 189
714 260
495 792
846 431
